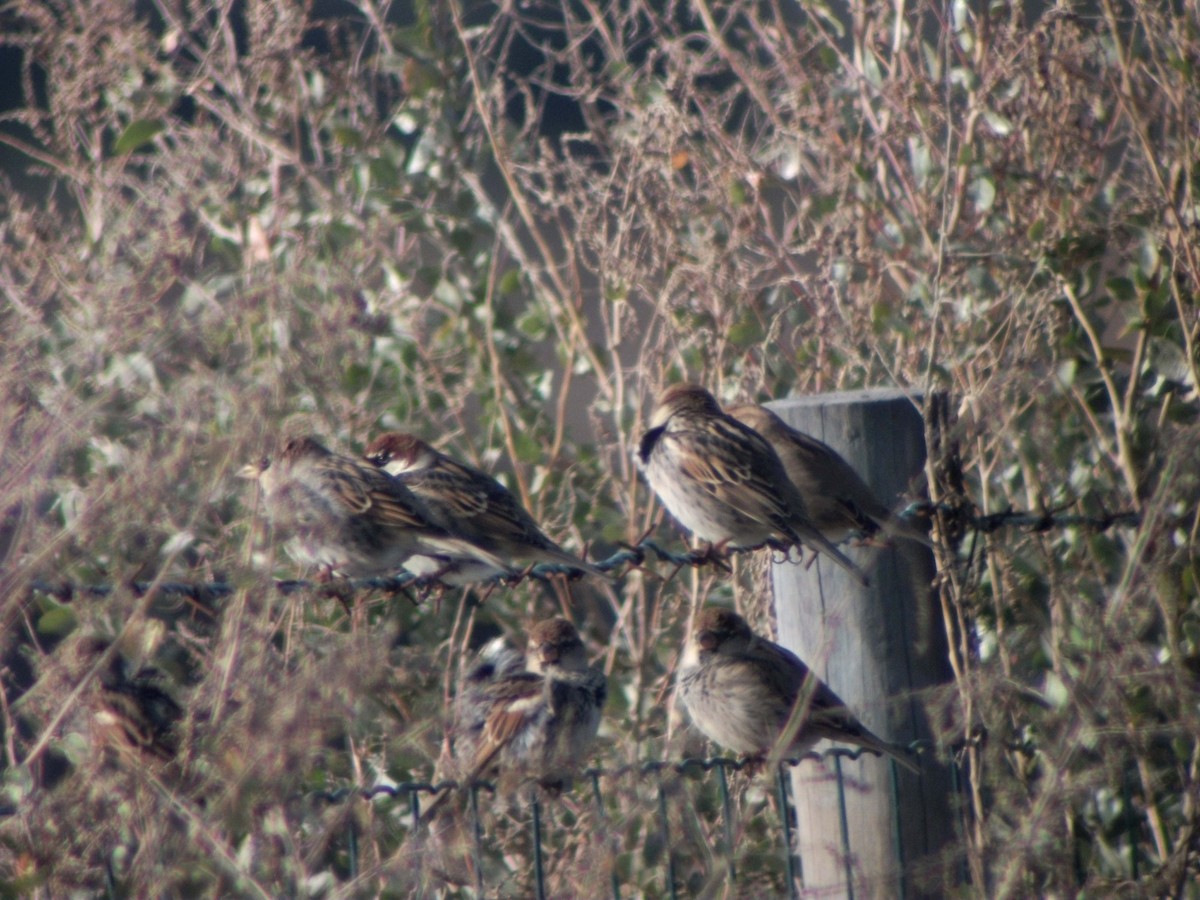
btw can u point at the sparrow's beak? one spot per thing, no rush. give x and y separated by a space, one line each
253 470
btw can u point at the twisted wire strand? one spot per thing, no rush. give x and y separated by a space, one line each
634 556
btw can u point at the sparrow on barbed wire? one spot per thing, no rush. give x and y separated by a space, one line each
839 502
532 723
722 481
473 504
346 516
749 694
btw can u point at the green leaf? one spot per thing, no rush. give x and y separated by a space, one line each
347 136
356 377
510 282
745 331
137 134
58 621
384 173
1122 289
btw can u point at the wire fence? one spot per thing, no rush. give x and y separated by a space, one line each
790 869
662 812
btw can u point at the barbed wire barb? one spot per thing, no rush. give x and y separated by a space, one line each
635 556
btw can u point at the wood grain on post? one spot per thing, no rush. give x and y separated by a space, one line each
876 647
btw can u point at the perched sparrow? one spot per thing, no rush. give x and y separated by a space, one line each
722 480
742 691
537 723
496 661
348 516
131 711
840 504
472 504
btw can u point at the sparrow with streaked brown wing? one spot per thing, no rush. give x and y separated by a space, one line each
537 723
744 692
722 481
131 711
472 504
839 502
347 516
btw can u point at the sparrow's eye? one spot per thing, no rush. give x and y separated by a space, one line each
264 463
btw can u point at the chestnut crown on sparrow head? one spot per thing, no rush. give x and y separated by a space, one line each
722 481
753 696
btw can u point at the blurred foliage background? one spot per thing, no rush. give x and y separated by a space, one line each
506 227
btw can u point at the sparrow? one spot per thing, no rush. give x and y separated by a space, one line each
131 711
839 502
536 722
722 481
496 661
346 516
471 503
743 692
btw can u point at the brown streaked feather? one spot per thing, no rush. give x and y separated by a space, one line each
517 700
468 501
749 692
350 491
132 711
146 716
750 499
840 502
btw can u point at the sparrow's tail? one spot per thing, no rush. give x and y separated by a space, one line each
846 729
900 754
448 545
805 533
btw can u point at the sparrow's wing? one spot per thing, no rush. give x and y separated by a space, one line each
360 489
479 504
512 704
505 518
780 671
825 471
487 513
740 468
788 675
820 471
736 466
145 714
827 714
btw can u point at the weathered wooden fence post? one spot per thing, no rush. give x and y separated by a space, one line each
875 647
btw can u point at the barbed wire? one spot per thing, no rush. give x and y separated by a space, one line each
1036 522
635 557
